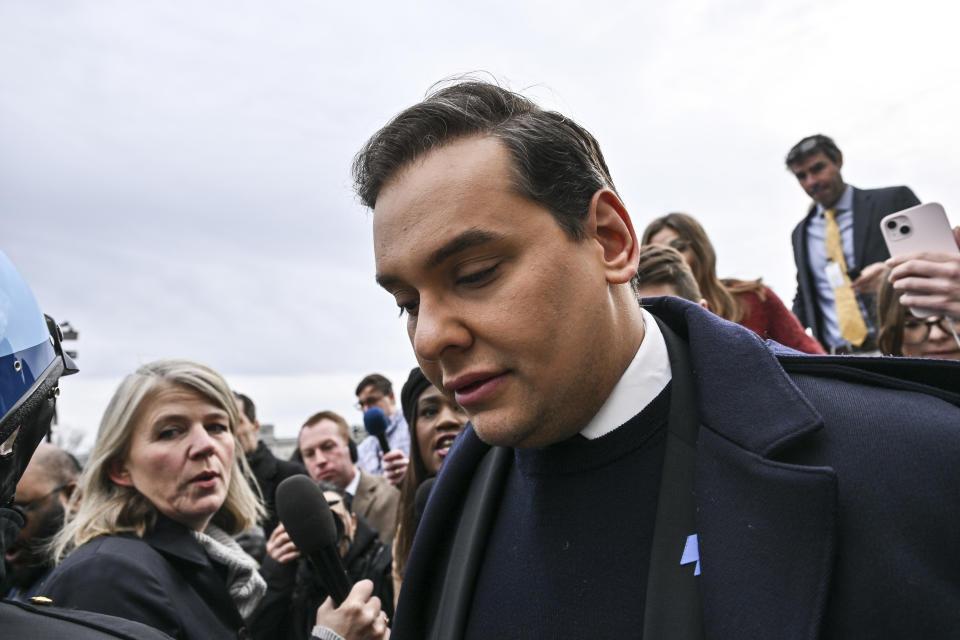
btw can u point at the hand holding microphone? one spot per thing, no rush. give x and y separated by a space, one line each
358 618
308 521
394 461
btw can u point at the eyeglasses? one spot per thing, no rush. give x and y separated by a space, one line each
917 331
368 402
24 509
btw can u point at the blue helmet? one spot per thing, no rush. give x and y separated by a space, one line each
31 363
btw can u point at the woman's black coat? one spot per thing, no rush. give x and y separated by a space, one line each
165 580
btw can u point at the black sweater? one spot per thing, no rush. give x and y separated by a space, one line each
552 569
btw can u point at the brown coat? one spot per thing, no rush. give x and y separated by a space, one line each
376 502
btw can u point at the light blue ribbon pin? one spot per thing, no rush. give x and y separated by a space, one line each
691 553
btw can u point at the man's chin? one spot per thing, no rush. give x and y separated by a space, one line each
509 433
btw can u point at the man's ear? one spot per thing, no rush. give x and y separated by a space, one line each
117 472
839 162
609 225
256 428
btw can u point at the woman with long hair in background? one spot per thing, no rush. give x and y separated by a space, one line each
749 303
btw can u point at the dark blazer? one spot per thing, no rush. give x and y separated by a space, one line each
270 472
869 207
164 580
826 498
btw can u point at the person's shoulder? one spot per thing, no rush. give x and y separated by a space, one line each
21 620
373 481
119 575
287 468
802 223
898 188
123 546
112 559
914 399
899 193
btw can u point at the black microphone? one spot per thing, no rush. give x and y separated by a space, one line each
420 499
375 422
306 516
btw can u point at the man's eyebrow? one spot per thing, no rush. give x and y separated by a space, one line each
466 240
462 242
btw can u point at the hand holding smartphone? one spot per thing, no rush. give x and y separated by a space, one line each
923 229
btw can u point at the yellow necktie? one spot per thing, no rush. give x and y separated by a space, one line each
852 327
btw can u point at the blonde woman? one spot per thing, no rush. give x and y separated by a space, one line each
162 493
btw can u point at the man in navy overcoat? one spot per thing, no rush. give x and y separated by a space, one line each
637 471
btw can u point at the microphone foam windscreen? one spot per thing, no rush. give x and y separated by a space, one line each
420 498
375 421
305 514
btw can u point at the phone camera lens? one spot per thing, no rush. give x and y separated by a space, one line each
891 224
905 229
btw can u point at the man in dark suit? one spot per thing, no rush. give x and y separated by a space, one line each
635 471
856 267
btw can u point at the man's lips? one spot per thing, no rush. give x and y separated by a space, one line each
472 388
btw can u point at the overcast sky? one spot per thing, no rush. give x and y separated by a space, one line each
174 176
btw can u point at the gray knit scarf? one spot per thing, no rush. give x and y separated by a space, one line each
244 583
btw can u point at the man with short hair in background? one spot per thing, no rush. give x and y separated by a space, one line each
324 446
42 496
376 390
839 249
268 470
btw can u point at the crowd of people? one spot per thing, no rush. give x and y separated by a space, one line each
600 420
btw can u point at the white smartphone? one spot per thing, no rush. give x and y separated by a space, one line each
921 228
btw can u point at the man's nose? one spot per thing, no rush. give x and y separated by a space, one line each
438 327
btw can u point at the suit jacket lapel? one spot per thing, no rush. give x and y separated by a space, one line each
766 529
366 493
766 536
863 206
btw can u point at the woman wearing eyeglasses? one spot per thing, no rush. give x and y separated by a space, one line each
747 302
902 334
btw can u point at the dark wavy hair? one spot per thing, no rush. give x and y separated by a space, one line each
417 472
556 162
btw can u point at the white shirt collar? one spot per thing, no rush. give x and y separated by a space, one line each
644 379
352 487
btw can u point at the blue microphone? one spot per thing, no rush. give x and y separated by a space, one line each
375 422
